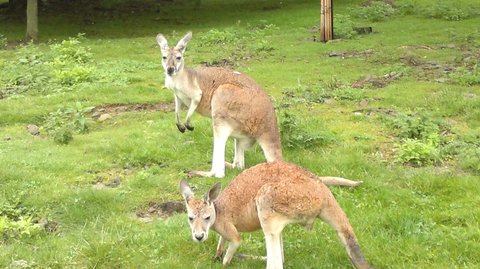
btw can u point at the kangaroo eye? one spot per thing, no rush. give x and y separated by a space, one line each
207 218
179 58
190 218
164 57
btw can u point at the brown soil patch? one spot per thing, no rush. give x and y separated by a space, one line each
219 63
115 109
109 179
429 70
372 111
376 82
351 54
162 210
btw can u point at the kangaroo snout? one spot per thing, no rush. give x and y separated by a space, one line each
199 237
170 70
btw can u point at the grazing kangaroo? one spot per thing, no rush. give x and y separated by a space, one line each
269 196
238 106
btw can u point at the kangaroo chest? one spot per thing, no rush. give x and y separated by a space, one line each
181 90
188 91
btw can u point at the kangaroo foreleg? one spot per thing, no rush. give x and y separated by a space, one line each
178 107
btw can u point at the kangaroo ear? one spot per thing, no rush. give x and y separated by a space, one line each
162 42
185 190
182 44
212 194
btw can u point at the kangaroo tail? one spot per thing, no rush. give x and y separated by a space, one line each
333 214
339 181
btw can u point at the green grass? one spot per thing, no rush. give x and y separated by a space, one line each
405 215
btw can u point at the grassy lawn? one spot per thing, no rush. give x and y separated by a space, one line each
398 109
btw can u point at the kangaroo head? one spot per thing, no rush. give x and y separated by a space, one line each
201 212
172 58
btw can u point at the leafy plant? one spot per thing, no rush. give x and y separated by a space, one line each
72 50
343 27
417 152
16 221
73 75
418 126
215 37
63 123
442 10
70 61
374 11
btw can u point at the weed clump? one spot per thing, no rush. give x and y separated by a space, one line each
420 139
17 221
343 27
374 11
71 61
63 123
237 41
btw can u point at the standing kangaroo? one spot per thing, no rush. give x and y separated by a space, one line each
269 196
238 106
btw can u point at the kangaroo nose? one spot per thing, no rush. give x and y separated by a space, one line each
199 237
170 70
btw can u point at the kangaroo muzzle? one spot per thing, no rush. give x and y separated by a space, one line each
170 70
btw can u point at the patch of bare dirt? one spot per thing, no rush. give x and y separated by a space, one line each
429 70
351 54
219 63
115 109
370 111
161 210
109 179
376 81
50 226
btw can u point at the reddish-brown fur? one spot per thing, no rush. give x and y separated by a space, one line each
270 196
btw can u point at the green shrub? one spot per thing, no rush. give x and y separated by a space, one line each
418 126
63 123
72 51
17 221
409 7
343 27
73 75
71 62
215 37
442 10
374 11
419 153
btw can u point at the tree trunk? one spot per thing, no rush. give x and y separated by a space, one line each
32 20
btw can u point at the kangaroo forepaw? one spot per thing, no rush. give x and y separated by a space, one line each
181 128
189 127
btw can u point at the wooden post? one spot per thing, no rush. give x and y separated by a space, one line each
326 20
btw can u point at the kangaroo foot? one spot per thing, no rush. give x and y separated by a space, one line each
181 128
189 127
